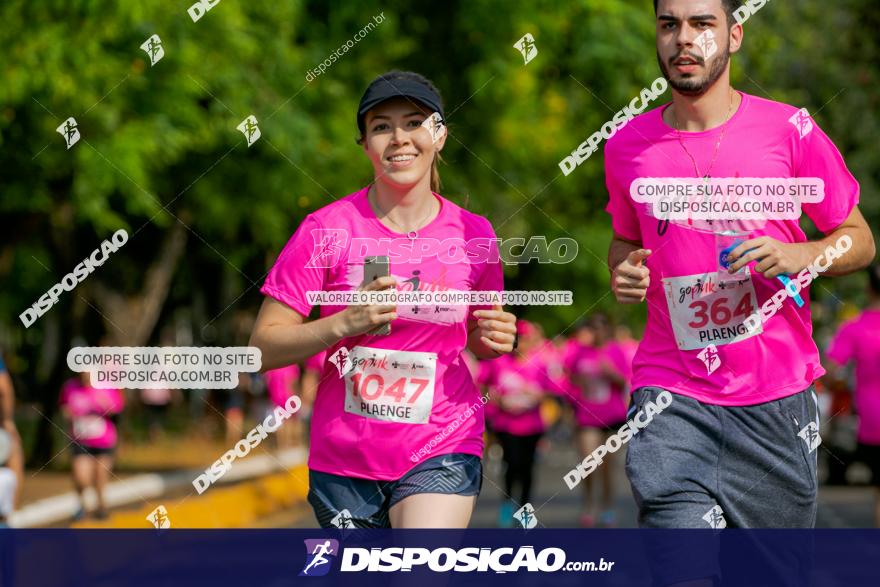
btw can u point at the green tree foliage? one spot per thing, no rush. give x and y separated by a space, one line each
161 157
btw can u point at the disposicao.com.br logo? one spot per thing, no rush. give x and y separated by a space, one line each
442 560
319 556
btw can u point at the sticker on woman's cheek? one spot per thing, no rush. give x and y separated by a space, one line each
435 126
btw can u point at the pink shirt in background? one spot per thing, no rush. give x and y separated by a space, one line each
621 354
281 383
89 410
315 362
510 378
485 376
407 386
600 403
859 341
760 141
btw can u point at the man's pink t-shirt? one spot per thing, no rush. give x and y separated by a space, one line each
384 397
90 409
599 403
511 379
687 308
281 383
859 341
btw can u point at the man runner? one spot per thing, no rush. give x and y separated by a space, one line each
732 450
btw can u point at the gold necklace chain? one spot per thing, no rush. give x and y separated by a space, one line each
411 234
715 151
717 143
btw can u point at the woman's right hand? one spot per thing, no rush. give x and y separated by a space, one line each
358 319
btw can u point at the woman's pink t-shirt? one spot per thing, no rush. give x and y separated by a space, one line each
511 378
382 398
89 410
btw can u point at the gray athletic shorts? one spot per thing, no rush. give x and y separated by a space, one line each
698 465
752 462
366 502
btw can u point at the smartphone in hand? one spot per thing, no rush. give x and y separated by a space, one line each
375 267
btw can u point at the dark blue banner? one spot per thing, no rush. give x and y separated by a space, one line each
268 558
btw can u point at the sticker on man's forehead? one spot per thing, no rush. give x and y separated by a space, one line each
435 126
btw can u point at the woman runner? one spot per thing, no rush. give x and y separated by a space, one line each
388 396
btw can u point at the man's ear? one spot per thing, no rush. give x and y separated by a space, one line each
736 37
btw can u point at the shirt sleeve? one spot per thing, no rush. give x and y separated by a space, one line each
293 275
816 156
840 349
624 219
491 277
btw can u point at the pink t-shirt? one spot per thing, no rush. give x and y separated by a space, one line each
598 402
687 310
621 355
90 409
512 379
384 397
281 383
859 341
315 362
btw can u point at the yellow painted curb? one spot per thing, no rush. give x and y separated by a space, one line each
219 507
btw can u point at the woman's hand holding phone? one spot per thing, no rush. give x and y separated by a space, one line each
360 319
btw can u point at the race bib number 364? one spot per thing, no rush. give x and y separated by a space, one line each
705 311
394 386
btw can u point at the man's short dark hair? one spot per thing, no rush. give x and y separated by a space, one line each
729 6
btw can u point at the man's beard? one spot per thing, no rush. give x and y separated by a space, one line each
695 86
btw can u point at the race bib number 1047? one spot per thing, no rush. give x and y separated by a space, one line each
705 311
394 386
